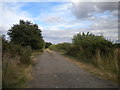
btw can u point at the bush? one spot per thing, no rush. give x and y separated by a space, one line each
93 49
89 44
15 59
12 74
16 51
72 50
25 54
26 34
47 44
53 47
63 47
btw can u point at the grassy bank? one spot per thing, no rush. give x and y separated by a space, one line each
94 51
15 73
108 72
17 64
98 71
25 38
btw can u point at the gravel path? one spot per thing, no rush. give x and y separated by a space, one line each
53 71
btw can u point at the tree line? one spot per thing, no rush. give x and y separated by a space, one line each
93 49
26 38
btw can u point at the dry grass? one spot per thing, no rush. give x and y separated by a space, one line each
34 55
101 73
15 74
103 67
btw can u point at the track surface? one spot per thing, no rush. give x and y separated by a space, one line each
54 71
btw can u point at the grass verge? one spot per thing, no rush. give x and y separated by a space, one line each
16 74
89 67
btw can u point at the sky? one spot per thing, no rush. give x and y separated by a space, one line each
60 21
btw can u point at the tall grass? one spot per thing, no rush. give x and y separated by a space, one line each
109 64
13 72
15 61
94 50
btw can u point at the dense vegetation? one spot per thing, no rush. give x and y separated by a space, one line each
25 38
26 34
47 44
92 49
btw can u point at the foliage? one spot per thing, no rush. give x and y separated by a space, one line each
15 59
25 38
92 49
53 47
25 54
26 34
47 44
12 74
117 45
14 51
61 47
90 43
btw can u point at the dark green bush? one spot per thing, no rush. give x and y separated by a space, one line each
53 47
26 55
15 59
63 47
26 34
47 44
93 49
23 53
89 44
16 53
72 50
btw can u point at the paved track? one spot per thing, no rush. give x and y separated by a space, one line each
53 71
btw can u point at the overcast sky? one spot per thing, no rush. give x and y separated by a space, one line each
59 21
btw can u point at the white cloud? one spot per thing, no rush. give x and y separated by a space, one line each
11 14
59 25
53 19
102 24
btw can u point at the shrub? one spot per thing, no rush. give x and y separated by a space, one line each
47 44
16 51
93 49
26 34
53 47
26 55
12 74
62 47
89 44
14 60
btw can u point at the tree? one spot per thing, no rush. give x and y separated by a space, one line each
90 43
47 44
26 34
